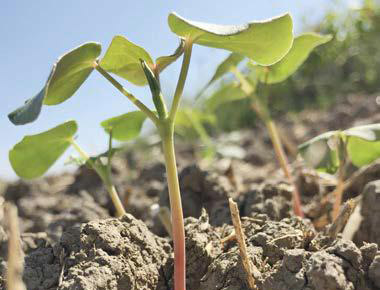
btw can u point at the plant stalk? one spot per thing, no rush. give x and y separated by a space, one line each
282 159
263 113
120 211
182 78
339 189
131 97
167 136
106 178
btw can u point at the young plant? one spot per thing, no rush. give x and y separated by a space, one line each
190 125
35 154
270 74
265 42
333 151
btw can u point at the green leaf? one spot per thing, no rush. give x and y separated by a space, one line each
35 154
123 59
190 123
29 112
227 93
67 75
265 42
319 154
226 66
363 144
70 72
367 132
125 127
164 61
302 46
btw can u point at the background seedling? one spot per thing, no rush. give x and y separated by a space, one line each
265 42
333 151
248 88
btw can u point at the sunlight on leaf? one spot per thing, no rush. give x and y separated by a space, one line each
125 127
302 46
363 147
35 154
70 72
123 59
363 144
265 42
319 155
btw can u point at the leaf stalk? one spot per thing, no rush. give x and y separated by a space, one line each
182 78
104 174
131 97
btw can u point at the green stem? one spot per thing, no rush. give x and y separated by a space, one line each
106 178
247 88
109 155
120 211
263 113
131 97
201 131
182 79
167 136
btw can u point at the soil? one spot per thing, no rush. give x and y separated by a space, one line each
71 239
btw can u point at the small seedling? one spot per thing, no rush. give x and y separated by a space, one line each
248 87
35 154
265 42
333 151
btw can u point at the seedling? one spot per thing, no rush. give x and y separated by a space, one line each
265 42
35 154
190 125
333 151
248 85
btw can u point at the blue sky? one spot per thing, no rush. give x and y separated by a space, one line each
34 33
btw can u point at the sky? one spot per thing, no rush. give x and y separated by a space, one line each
33 34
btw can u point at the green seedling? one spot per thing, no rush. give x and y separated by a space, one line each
265 42
190 124
248 84
35 154
333 151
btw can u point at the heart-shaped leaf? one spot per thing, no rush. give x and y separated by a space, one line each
227 93
302 46
319 153
35 154
164 61
265 42
363 144
67 75
125 127
123 59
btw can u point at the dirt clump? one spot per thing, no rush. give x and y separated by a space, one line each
203 189
369 228
274 200
113 254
